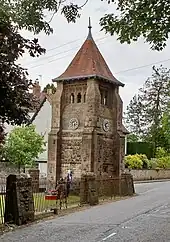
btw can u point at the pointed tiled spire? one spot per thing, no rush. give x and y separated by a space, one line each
88 63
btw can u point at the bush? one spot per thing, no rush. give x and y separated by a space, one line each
146 163
137 161
133 162
163 162
153 163
162 158
160 152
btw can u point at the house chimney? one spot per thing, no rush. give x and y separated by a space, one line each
49 91
36 89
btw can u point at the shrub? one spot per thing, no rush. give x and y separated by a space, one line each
162 158
133 162
160 152
153 163
146 163
163 162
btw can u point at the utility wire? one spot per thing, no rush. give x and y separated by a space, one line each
140 67
59 53
73 41
57 47
122 71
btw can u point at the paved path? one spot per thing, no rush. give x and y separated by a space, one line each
142 218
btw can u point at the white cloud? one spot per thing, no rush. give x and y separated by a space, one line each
119 57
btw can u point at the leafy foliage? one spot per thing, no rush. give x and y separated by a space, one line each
132 138
132 19
162 158
23 145
160 152
134 116
135 18
139 161
144 159
30 14
163 162
16 100
165 130
133 162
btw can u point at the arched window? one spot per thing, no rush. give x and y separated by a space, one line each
72 98
101 93
84 97
79 98
105 99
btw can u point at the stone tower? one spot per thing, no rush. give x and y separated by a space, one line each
86 130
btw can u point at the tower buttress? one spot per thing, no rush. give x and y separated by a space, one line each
54 137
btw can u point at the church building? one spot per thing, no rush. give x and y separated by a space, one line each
87 134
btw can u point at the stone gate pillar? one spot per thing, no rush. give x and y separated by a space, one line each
19 203
88 189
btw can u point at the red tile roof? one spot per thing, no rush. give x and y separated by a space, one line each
88 63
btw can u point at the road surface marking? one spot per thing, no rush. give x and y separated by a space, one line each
125 227
109 236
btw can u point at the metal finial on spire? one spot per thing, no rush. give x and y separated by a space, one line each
90 27
90 23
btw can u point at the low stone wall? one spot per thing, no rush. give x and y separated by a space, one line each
92 187
152 174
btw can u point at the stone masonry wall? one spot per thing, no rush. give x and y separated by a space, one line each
153 174
96 149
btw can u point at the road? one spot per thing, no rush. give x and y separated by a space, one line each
145 217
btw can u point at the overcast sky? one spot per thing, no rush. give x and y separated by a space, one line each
66 40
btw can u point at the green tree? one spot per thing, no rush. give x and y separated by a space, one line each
132 138
16 100
148 113
23 145
30 14
165 131
162 158
134 116
144 18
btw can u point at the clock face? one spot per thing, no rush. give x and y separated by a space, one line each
73 123
106 125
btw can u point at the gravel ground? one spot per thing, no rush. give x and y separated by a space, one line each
145 217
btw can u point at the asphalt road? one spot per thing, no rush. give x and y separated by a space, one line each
145 217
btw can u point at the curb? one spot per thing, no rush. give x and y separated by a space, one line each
151 181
